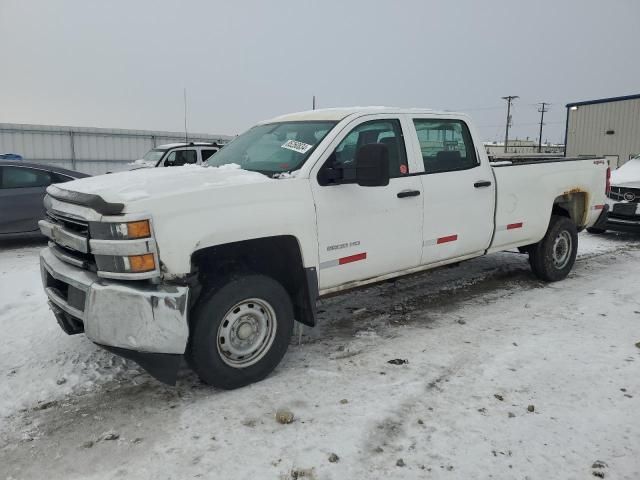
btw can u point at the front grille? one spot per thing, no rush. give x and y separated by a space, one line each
78 227
624 193
75 225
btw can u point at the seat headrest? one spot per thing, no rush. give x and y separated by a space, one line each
448 155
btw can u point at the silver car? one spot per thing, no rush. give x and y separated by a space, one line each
22 190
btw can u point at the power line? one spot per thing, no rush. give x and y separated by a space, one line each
509 99
542 110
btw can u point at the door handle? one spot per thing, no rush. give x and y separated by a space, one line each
408 193
482 183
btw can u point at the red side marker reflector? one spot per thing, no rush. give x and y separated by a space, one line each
449 238
598 207
352 258
511 226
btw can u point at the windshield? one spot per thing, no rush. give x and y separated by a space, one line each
153 155
273 148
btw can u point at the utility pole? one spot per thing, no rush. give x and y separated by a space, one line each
509 99
314 102
543 109
186 137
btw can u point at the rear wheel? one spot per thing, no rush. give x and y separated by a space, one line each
240 331
552 258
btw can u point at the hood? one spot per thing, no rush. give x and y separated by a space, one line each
146 183
628 175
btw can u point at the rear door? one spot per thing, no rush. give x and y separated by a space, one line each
459 190
22 192
366 232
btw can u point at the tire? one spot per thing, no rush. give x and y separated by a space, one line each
595 231
240 331
552 258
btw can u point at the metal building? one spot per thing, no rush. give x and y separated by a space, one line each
608 127
89 150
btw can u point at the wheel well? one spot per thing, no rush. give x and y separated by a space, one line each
571 205
278 257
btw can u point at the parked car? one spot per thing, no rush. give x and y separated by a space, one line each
216 264
177 154
10 156
623 199
22 190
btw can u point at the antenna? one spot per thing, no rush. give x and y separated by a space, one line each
314 102
186 137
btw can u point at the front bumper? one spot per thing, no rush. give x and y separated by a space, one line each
121 316
624 217
623 224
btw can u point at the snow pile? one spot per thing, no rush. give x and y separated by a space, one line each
284 175
141 162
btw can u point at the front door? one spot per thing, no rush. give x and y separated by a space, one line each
366 232
178 158
459 190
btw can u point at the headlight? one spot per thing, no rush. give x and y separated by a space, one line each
120 231
128 264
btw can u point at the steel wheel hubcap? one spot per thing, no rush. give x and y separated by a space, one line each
246 332
562 250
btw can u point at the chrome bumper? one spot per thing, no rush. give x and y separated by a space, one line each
132 315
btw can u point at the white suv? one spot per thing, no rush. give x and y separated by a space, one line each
178 154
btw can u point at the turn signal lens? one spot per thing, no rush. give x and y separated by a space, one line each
142 263
140 229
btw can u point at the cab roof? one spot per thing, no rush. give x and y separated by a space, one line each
337 114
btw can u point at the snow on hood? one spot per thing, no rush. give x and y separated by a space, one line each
145 183
628 175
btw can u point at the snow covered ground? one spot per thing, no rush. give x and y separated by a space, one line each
485 344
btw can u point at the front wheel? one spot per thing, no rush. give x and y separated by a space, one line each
240 331
552 258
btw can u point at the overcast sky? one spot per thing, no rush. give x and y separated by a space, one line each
124 64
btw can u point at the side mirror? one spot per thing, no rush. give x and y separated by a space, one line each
372 165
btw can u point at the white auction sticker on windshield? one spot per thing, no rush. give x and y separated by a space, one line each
296 146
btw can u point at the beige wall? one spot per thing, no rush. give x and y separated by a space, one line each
588 124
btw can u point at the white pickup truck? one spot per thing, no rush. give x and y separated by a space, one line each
214 264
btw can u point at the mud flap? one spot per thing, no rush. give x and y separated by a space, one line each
601 223
161 366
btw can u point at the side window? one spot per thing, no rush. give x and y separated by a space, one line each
206 153
178 158
22 177
387 132
445 145
60 178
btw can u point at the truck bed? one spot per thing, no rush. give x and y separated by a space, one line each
525 196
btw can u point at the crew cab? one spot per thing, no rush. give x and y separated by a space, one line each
177 154
215 263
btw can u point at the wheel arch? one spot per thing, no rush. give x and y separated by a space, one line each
279 257
572 205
